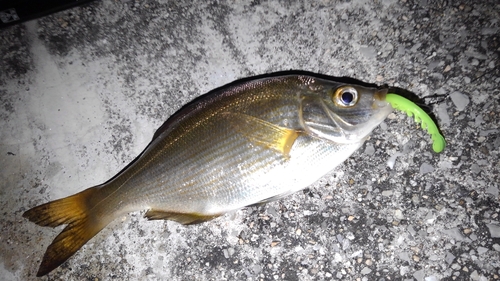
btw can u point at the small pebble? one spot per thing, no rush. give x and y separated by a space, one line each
365 270
460 100
494 230
426 168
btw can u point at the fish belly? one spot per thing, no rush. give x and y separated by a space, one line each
218 177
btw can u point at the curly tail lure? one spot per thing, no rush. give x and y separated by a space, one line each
411 109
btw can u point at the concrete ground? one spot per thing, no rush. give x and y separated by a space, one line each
82 92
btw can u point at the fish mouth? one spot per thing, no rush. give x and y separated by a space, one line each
379 98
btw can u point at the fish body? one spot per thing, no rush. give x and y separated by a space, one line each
252 141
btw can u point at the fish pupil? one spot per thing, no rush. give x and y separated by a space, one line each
347 97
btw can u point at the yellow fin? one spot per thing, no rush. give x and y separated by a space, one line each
262 132
81 226
184 218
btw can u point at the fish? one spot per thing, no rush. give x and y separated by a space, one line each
250 142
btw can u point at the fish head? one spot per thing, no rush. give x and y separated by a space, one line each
342 113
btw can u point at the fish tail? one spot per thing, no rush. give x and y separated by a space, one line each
82 224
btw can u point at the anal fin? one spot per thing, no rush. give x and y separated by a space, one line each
183 218
268 200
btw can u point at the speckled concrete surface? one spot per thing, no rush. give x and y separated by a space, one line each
82 92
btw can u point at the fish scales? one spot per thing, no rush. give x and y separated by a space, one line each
252 141
201 155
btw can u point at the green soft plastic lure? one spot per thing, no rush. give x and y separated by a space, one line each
411 109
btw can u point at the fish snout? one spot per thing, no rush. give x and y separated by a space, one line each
379 100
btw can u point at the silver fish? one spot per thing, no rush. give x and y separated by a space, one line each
252 141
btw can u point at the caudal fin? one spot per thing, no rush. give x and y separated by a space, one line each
82 224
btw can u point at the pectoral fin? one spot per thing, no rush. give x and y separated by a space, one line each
263 133
184 218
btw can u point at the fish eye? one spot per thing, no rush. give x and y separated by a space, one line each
345 96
